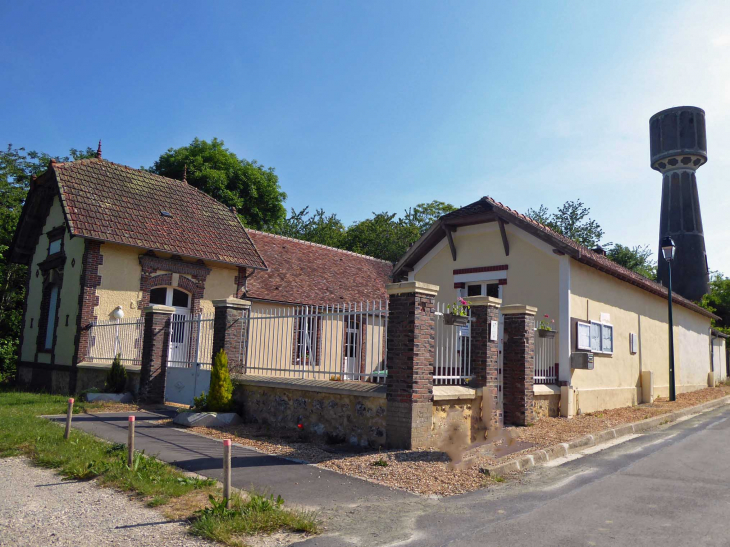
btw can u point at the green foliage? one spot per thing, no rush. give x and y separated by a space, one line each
382 236
221 388
249 187
16 169
200 403
317 228
425 214
83 456
639 259
116 378
245 516
570 220
718 301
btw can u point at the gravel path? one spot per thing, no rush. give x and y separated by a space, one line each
37 507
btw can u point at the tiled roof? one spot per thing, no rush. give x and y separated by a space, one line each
308 273
111 202
575 250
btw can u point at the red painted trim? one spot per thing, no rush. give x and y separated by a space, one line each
459 285
481 269
502 282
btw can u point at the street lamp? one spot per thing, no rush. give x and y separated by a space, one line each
668 252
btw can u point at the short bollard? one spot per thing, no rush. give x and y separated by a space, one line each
227 471
69 413
130 443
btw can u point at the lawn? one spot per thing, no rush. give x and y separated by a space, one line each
85 457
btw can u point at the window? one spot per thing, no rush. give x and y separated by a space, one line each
51 324
480 289
305 341
595 337
167 296
54 246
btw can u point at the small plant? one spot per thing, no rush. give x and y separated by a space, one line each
221 388
116 379
499 478
200 403
460 308
380 462
335 378
546 323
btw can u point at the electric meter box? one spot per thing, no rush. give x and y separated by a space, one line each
582 359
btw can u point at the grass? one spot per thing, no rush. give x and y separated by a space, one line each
248 515
84 457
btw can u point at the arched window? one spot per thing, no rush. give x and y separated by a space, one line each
170 296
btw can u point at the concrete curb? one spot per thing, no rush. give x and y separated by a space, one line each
576 445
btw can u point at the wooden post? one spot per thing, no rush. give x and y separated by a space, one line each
227 471
69 413
130 443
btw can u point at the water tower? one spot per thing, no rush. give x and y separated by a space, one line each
678 148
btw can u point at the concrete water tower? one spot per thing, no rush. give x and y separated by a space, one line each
678 148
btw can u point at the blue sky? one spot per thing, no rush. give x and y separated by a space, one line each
376 106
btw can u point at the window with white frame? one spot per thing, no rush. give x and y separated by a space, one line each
305 340
483 288
594 336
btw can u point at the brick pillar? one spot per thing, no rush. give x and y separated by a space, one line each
519 363
230 328
485 357
411 333
155 350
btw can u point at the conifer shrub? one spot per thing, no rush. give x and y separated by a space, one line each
220 394
116 378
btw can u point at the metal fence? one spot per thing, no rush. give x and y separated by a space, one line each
111 337
339 342
191 341
452 355
546 367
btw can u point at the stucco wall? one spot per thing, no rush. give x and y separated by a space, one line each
615 380
221 283
719 357
69 294
120 275
532 275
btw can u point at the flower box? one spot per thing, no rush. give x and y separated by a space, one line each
453 319
544 333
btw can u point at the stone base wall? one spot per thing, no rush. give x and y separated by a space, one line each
457 414
56 378
354 418
547 406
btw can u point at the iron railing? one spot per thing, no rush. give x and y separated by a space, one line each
546 366
107 338
452 352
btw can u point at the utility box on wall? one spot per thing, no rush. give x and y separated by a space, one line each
582 360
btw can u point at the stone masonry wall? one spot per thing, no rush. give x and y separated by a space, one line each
352 418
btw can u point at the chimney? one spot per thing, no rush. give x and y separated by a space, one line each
599 250
678 149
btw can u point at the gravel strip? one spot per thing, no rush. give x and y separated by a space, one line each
39 508
430 471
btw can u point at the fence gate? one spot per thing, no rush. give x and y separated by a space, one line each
190 358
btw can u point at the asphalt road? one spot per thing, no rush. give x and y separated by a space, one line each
669 487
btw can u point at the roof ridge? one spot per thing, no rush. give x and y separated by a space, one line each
295 240
585 250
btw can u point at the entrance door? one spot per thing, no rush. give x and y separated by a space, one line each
352 348
180 328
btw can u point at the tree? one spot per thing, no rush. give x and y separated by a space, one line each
382 236
639 259
718 301
249 187
16 169
317 228
221 387
570 220
424 215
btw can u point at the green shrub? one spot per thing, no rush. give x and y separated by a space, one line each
116 379
200 403
220 393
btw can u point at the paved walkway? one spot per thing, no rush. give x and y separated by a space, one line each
298 483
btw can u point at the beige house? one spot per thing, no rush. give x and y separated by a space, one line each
103 241
594 306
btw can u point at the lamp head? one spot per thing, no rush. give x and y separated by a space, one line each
118 313
668 248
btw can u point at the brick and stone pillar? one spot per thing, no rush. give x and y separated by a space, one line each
518 363
155 351
230 328
485 357
411 335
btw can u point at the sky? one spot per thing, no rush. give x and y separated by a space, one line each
374 106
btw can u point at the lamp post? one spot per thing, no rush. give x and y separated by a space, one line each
668 252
